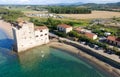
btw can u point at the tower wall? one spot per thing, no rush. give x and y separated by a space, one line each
26 37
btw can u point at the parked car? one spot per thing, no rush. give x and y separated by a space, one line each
99 48
82 42
91 45
109 51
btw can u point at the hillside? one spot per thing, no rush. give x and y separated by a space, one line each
105 7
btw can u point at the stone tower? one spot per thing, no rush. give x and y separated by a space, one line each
26 36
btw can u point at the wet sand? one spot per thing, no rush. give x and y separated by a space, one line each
78 53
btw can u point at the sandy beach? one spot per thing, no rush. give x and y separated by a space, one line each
78 53
7 28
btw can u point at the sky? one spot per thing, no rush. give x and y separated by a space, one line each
54 1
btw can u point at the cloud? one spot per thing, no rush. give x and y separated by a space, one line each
14 1
24 0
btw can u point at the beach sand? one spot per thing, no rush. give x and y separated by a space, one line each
78 53
7 28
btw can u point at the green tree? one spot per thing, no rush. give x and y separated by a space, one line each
12 16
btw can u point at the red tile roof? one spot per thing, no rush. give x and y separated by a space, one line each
113 38
89 35
41 28
64 26
78 29
118 39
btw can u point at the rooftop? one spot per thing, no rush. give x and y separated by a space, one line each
78 29
40 27
89 35
113 38
64 25
21 24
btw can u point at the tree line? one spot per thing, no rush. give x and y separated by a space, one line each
69 10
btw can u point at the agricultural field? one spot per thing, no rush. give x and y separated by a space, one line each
93 15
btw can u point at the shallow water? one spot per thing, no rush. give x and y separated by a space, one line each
43 62
54 63
4 41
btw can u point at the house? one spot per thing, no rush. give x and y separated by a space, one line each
113 40
64 28
26 36
81 30
86 33
107 33
90 35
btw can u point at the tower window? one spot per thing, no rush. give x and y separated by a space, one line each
41 30
36 36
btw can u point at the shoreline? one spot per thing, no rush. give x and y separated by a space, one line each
92 60
7 28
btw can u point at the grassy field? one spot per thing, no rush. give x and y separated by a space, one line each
72 22
93 15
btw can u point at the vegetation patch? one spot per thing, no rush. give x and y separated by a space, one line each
68 10
10 15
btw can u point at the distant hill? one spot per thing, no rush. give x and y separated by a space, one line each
114 4
93 6
86 4
67 4
102 5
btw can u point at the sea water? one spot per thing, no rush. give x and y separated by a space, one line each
43 61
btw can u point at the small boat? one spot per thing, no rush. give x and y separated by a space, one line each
42 55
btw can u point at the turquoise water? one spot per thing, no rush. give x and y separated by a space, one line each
54 63
43 62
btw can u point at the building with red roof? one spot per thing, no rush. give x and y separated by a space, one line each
79 30
64 28
86 33
113 40
91 35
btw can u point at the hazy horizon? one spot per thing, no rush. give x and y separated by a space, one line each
44 2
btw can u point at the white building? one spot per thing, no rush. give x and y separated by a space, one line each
64 28
26 36
91 35
86 33
107 33
81 30
113 40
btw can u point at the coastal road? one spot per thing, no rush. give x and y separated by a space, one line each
101 52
